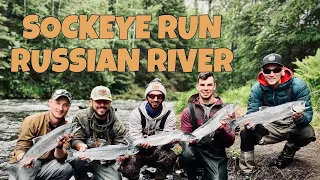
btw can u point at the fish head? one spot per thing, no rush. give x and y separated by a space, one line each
231 108
71 128
187 137
298 106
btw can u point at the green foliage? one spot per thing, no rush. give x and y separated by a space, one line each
308 69
251 29
238 95
182 100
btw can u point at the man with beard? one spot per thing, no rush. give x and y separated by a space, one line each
153 116
99 126
209 153
51 165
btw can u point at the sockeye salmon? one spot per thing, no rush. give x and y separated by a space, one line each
270 114
107 152
213 123
44 144
165 138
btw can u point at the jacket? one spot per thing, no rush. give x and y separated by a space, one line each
34 126
82 117
221 138
152 124
279 95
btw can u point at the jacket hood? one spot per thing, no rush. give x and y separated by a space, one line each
144 111
287 76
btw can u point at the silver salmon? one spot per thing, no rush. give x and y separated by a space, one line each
42 145
165 138
107 152
270 114
213 123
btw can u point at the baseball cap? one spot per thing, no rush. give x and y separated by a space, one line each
101 93
61 92
272 59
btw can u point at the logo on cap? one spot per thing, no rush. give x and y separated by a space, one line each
155 86
272 58
102 92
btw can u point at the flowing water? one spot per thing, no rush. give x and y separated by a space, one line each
12 112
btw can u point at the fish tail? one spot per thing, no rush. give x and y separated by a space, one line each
12 170
232 125
70 156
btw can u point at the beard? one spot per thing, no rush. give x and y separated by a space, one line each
99 115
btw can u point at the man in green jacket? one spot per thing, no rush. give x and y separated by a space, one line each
276 85
99 125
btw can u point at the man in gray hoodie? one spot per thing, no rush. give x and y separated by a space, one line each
150 118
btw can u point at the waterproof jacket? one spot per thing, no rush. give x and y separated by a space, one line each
82 117
279 95
152 124
221 138
34 126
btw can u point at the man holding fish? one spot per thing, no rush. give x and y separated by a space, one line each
146 123
99 126
206 109
40 161
276 86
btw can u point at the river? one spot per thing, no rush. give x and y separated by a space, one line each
12 112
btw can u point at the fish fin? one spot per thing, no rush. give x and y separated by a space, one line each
12 169
36 139
261 108
75 130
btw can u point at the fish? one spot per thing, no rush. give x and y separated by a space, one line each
43 144
213 123
165 138
270 114
107 152
47 142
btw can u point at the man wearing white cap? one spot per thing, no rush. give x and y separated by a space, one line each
99 125
151 117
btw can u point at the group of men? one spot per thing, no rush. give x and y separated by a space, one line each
100 126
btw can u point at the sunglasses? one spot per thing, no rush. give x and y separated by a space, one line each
62 92
152 96
268 71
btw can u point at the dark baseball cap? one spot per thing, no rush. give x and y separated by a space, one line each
272 59
61 92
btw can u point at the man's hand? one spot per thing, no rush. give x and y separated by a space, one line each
175 141
193 141
223 124
297 116
249 126
20 156
122 158
27 164
81 147
145 145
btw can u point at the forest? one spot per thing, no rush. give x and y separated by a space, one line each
250 29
